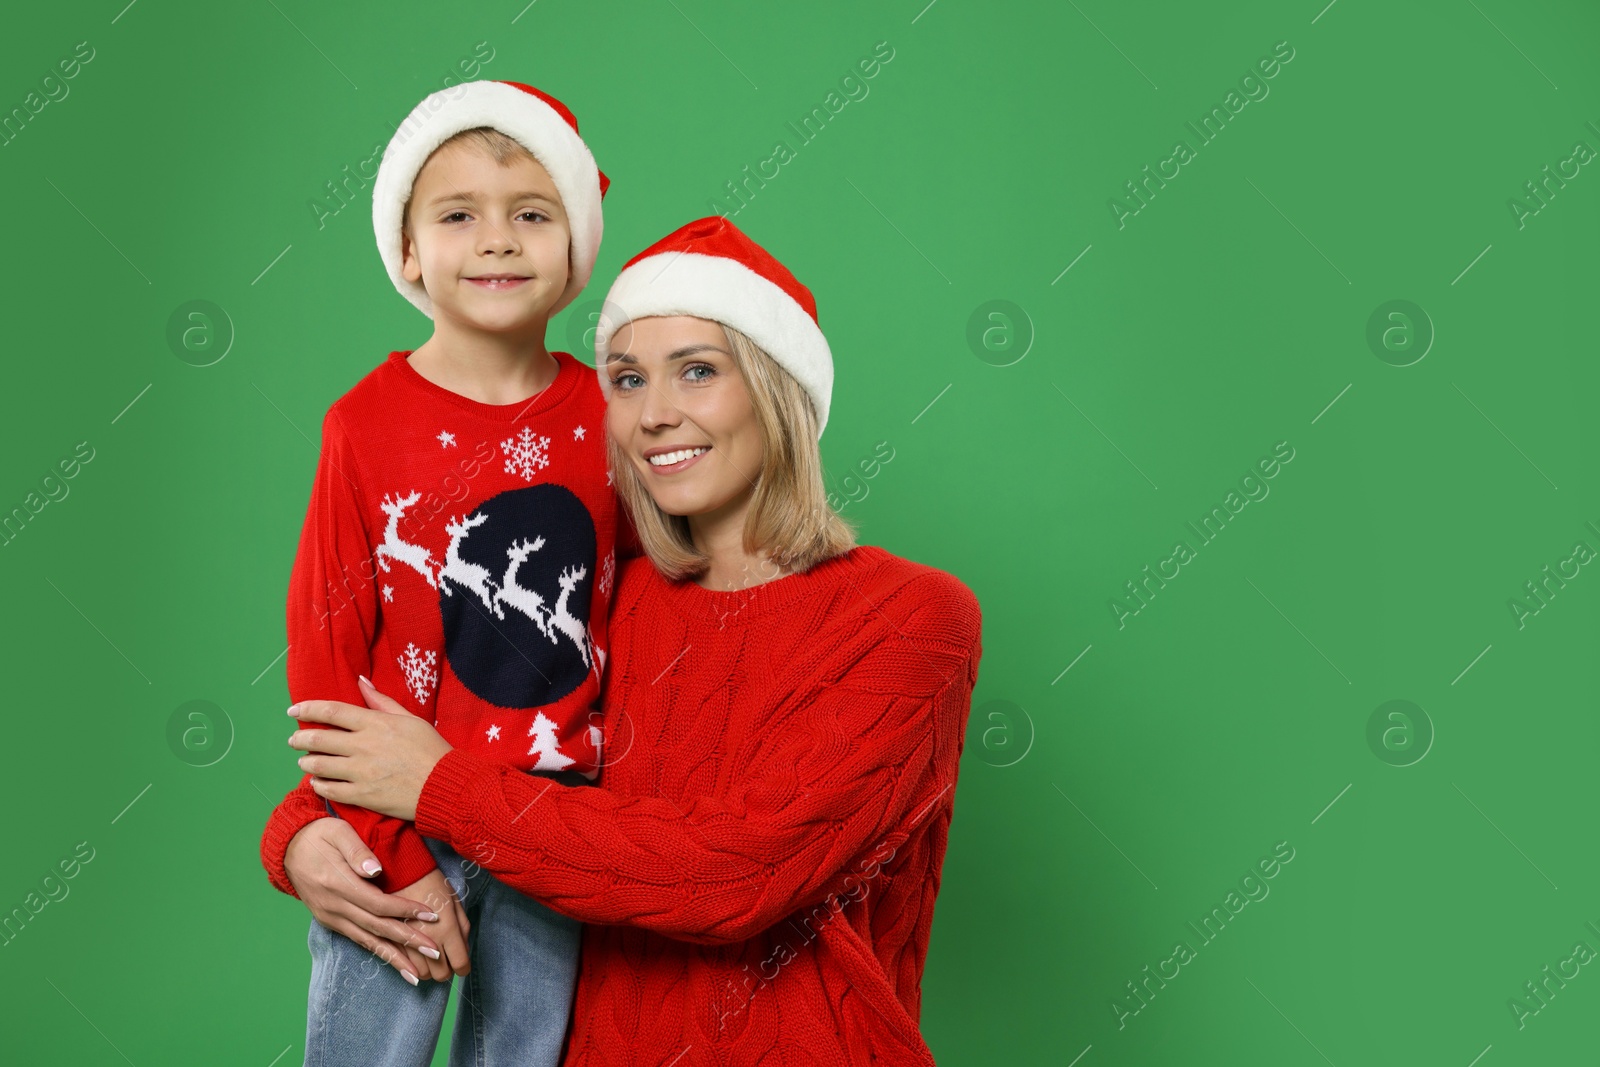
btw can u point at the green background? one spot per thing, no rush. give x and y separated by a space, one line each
1101 808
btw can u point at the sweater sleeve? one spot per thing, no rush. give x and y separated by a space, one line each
294 813
845 769
332 621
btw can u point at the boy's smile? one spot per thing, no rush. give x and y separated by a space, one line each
489 241
499 282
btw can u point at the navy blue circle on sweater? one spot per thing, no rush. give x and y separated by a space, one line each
514 596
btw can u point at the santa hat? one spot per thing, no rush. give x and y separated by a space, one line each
711 270
537 121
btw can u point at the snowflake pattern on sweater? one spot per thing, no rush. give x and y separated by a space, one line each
420 672
526 454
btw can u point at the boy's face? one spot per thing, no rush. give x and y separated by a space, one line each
490 243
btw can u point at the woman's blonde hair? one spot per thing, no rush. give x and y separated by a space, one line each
790 520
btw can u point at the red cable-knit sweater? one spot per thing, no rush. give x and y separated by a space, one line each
760 861
460 555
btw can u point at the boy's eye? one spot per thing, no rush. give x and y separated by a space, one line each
455 215
539 215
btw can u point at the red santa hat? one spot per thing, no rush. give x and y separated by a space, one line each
537 121
711 270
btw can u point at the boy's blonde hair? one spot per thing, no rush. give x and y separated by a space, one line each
790 520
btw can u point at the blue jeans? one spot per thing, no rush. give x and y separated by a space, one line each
514 1003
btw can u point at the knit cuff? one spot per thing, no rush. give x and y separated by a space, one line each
405 860
445 793
286 821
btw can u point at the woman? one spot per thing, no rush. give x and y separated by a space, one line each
759 864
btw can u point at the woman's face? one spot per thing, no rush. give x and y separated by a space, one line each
682 416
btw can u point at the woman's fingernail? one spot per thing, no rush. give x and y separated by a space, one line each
294 709
427 916
408 976
364 680
371 866
431 953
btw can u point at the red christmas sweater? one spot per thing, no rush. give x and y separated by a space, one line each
760 862
460 555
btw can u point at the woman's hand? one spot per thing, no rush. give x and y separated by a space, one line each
378 759
324 862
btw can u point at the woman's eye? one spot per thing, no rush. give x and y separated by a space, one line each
709 371
626 381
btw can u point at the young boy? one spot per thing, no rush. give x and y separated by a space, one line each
458 551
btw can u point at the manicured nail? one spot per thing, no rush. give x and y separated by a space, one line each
294 709
427 916
364 680
431 953
408 976
371 866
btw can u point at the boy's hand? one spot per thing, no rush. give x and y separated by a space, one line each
448 932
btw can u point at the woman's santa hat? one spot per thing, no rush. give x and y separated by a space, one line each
537 121
711 270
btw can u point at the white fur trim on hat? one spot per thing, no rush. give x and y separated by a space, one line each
725 291
519 115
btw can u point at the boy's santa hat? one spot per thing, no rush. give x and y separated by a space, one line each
537 121
711 270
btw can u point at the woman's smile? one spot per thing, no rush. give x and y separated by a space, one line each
671 459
